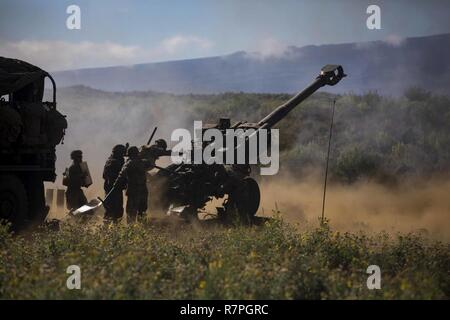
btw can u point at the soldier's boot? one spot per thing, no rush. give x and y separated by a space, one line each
131 217
142 217
107 220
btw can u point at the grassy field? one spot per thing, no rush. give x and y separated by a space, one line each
190 261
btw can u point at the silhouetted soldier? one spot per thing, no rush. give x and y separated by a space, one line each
153 152
74 179
133 175
114 203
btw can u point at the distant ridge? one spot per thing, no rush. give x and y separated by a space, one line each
388 67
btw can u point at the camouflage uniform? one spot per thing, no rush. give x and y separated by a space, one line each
75 180
114 203
133 175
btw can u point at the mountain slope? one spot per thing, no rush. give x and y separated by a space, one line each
387 67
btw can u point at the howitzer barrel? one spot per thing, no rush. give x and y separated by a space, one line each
329 75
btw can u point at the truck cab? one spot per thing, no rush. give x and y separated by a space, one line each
30 129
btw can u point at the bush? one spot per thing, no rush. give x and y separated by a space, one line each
354 163
417 94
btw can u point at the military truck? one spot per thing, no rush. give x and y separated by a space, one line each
30 129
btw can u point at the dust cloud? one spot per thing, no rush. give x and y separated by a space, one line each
421 206
412 206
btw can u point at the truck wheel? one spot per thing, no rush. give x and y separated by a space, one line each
13 201
34 186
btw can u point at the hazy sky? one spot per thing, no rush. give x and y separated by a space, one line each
125 32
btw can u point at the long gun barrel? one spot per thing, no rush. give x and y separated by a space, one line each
329 75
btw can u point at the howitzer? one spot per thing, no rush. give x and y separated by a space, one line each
186 188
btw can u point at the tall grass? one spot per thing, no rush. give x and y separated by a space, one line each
188 261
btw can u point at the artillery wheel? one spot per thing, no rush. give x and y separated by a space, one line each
160 198
246 198
13 201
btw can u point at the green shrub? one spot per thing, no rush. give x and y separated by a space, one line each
355 163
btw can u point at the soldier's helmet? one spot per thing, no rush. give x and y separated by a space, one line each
119 150
132 152
161 143
76 154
